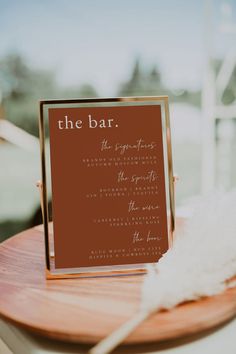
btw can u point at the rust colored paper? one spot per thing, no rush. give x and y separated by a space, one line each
108 185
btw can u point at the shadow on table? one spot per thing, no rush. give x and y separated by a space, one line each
65 347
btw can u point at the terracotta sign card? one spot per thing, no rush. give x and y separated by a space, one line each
110 184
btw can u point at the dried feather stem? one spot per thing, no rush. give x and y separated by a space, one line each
109 343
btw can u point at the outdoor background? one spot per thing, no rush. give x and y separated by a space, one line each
70 49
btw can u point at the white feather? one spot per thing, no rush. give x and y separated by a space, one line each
202 258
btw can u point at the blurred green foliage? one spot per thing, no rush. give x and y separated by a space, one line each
149 83
22 86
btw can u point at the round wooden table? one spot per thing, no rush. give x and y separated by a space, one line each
87 310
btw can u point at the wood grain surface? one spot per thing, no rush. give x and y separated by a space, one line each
87 310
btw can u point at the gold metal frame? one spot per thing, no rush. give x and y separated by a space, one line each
103 270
